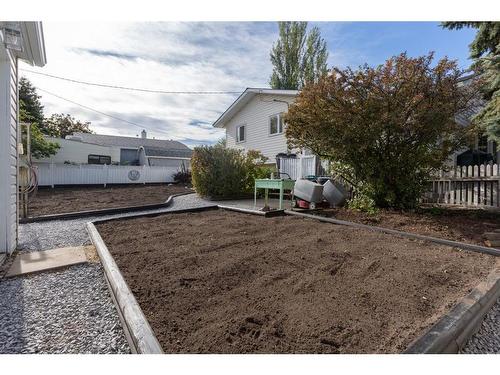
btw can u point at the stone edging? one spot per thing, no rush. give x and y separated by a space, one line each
105 211
138 332
450 333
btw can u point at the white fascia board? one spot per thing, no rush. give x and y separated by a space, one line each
33 44
244 98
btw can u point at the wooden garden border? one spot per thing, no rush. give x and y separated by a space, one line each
138 332
448 335
103 212
441 241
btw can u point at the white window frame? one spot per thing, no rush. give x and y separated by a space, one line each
238 133
279 116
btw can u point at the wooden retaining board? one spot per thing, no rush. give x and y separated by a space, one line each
448 335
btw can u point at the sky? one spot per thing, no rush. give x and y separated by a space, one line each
198 56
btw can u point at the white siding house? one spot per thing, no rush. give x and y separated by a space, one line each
18 40
253 121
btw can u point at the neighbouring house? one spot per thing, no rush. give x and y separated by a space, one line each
480 149
18 41
255 122
84 148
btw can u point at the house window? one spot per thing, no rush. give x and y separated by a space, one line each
240 133
99 159
276 124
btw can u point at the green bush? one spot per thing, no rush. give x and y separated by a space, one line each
219 172
363 203
393 125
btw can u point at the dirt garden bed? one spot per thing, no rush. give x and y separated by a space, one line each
225 282
48 201
463 225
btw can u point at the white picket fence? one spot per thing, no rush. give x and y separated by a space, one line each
477 185
90 174
300 167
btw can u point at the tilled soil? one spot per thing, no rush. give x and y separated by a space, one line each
226 282
71 199
451 224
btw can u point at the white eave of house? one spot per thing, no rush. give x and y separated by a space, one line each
33 43
244 98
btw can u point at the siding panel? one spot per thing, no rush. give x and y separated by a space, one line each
255 116
9 142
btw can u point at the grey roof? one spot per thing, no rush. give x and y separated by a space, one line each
153 151
133 142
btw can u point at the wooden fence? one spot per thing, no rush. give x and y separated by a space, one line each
90 174
477 185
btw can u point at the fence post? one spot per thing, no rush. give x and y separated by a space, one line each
300 167
105 171
51 169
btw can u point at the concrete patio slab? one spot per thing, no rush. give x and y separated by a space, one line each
249 203
39 261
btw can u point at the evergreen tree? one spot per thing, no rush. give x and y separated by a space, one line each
31 112
30 101
485 50
298 57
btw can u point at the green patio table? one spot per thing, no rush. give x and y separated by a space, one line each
280 184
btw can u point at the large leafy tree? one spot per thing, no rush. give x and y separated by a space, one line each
485 50
61 125
391 125
40 147
31 113
298 57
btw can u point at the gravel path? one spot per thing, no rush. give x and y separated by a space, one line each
60 233
70 311
487 339
65 311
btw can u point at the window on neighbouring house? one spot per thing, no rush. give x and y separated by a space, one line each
240 133
276 124
99 159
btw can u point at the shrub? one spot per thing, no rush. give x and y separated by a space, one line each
363 203
183 176
393 125
219 172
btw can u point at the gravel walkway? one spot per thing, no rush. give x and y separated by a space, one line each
487 339
70 311
66 311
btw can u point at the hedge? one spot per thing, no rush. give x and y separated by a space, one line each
223 173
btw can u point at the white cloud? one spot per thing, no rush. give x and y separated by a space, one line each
172 56
162 56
